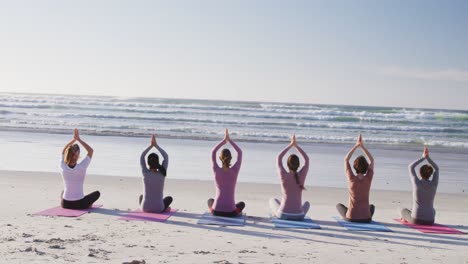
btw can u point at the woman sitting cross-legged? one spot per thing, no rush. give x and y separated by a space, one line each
359 186
424 191
73 174
152 200
292 185
225 180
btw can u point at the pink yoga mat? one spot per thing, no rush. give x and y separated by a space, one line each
138 215
59 211
434 229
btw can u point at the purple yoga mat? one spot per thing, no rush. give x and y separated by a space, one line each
59 211
138 215
433 229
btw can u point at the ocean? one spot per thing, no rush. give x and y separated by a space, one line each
247 121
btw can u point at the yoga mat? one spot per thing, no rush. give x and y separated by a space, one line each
352 226
59 211
306 223
209 219
139 215
433 229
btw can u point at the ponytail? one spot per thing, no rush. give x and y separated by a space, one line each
296 176
293 165
70 152
226 158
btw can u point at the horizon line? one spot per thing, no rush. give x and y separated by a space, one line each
238 101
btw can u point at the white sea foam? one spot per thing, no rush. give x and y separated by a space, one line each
249 121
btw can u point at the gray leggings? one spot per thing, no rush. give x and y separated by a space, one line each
406 215
274 207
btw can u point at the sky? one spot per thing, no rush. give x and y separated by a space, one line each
380 53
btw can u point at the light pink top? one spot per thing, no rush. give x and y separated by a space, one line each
225 181
291 201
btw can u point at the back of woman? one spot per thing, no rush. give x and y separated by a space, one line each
153 192
153 200
359 190
73 174
424 191
292 185
359 208
225 180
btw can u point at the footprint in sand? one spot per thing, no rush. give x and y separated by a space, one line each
222 262
31 249
135 262
202 252
247 251
98 253
56 247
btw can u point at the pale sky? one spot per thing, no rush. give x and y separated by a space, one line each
384 53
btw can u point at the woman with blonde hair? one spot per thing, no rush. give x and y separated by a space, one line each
225 180
73 174
292 185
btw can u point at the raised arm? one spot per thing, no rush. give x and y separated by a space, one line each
280 157
88 148
412 169
305 157
143 160
360 144
369 156
214 151
350 154
68 145
435 175
239 153
165 162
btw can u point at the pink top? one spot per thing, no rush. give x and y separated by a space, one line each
292 192
358 194
225 181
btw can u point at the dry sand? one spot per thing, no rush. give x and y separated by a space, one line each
100 238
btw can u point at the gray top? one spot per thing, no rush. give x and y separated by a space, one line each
423 191
153 183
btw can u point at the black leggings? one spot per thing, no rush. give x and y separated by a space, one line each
239 207
343 210
85 202
406 215
167 201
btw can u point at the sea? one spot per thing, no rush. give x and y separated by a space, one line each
247 121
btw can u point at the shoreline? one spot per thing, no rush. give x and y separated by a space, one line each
191 160
383 146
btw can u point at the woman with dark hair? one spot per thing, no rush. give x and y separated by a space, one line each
424 191
292 185
225 180
359 186
153 180
73 174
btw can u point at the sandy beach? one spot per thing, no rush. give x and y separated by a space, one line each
98 237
